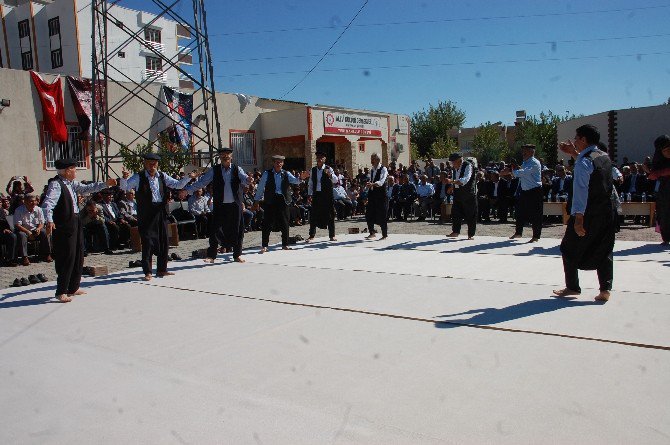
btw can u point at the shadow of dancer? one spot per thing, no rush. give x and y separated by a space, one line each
491 315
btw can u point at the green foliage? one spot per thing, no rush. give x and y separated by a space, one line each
489 144
443 147
413 151
542 131
437 121
173 157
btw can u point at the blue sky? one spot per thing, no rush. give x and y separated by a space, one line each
491 58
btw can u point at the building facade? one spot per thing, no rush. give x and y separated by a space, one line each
55 37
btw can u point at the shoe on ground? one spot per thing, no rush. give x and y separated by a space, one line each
109 252
175 256
16 283
534 240
24 282
42 277
515 236
25 261
32 279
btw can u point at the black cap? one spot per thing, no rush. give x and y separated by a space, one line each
224 150
107 192
151 157
528 147
278 158
454 156
61 164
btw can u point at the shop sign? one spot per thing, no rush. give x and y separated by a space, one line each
348 123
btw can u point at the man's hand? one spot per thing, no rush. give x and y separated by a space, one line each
568 148
50 228
255 207
6 231
111 182
506 172
125 174
579 225
309 200
194 174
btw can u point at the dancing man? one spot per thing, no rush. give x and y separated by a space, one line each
320 192
376 211
151 186
61 208
465 196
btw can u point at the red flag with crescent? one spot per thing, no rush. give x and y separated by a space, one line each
53 111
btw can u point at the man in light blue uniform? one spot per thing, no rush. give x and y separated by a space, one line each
530 199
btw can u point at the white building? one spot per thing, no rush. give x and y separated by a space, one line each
53 36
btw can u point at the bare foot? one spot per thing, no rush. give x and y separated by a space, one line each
208 260
515 236
63 298
285 248
383 238
147 277
310 239
471 237
164 274
78 292
263 250
370 236
534 240
603 296
333 239
239 259
453 235
565 292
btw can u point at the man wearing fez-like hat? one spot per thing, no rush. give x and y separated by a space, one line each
61 208
275 191
320 191
228 183
464 188
151 186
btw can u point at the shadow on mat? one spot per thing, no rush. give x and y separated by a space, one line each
33 302
492 315
481 247
641 250
406 245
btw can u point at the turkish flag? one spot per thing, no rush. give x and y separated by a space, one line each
53 111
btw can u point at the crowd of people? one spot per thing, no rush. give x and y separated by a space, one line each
477 193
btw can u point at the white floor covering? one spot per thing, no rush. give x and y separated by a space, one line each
213 355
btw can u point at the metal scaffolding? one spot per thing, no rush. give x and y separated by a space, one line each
107 71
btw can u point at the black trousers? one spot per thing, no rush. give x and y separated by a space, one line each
464 208
154 236
484 204
276 217
9 241
530 211
226 223
605 274
69 257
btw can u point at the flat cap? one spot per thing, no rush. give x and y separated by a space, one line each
278 157
151 157
224 150
60 164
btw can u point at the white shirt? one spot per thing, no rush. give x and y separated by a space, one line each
319 174
134 182
110 209
198 206
74 188
382 176
29 220
467 173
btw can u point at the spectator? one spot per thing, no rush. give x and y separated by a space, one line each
343 205
484 186
353 193
425 192
128 208
405 198
16 189
96 236
29 226
499 196
117 227
198 207
391 194
7 237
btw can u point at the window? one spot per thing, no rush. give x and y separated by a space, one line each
152 35
56 58
121 54
154 63
73 148
24 29
243 144
27 60
54 26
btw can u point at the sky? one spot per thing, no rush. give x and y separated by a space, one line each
489 57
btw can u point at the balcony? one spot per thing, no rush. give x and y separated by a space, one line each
149 46
154 76
185 59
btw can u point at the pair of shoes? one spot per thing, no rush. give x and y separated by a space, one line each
32 279
175 257
109 252
136 263
42 277
87 270
17 282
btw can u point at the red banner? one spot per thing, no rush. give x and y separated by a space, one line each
356 131
51 97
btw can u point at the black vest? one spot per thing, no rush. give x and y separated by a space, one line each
269 193
219 184
599 203
378 192
471 186
144 197
326 183
63 213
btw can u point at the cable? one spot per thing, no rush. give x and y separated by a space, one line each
437 48
426 65
327 51
460 19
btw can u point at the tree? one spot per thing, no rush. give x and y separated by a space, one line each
437 121
443 147
542 131
489 144
173 157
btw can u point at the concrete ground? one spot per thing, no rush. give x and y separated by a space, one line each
415 339
120 259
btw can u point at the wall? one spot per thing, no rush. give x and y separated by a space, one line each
637 128
566 130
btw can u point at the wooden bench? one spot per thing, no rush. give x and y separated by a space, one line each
445 211
556 209
136 241
640 209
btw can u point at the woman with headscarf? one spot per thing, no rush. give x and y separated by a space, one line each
660 172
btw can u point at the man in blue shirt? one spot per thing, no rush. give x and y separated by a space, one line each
530 199
589 237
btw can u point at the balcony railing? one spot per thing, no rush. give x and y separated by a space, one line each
155 46
154 76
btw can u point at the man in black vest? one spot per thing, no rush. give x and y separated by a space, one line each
589 237
465 195
320 192
152 194
376 211
228 183
275 187
61 209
